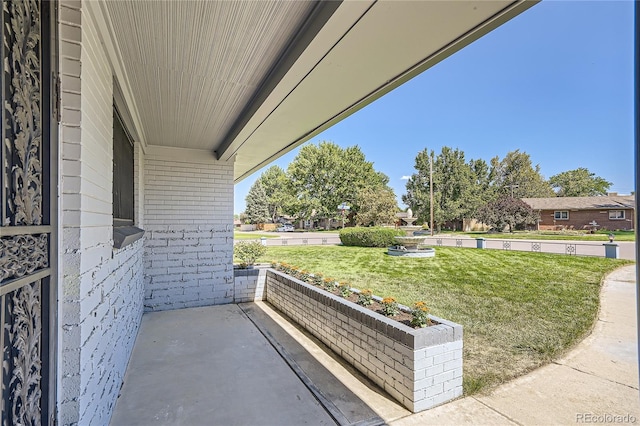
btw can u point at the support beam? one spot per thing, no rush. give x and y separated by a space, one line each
314 23
637 158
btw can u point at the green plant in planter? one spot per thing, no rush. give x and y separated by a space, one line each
329 284
304 275
365 297
285 267
420 314
248 251
390 307
294 271
344 289
318 279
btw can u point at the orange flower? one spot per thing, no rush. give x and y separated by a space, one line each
422 306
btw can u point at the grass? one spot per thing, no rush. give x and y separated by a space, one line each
252 235
556 235
519 310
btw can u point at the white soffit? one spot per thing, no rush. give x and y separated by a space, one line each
391 42
192 66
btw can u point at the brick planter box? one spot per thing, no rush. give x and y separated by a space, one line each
248 284
421 368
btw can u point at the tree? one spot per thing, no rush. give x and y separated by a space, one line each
257 205
458 187
579 183
507 211
515 176
323 176
378 206
277 190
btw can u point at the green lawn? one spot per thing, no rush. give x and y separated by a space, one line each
252 235
519 310
556 235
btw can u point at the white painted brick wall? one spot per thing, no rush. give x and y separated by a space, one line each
249 285
189 222
419 368
101 289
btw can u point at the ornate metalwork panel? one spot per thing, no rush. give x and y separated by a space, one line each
26 284
22 101
22 360
570 249
22 255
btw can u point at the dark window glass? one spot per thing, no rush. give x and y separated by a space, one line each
122 173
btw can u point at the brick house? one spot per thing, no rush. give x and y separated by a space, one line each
126 125
608 212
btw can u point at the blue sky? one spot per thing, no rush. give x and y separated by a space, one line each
555 82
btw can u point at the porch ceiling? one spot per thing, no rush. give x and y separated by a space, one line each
256 79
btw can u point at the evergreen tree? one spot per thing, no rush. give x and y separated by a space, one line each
257 204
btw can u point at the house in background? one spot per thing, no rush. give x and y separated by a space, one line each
125 125
612 212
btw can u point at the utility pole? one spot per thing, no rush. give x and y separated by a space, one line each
431 190
512 187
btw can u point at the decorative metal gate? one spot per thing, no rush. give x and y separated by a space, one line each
27 237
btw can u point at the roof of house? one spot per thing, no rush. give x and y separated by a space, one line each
582 203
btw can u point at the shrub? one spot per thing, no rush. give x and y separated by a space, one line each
390 307
369 237
365 297
248 251
420 314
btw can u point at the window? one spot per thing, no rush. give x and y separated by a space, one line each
122 173
124 233
561 215
616 214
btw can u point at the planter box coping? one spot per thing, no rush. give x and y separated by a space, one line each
417 338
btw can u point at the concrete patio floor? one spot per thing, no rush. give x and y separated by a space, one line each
222 365
248 365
